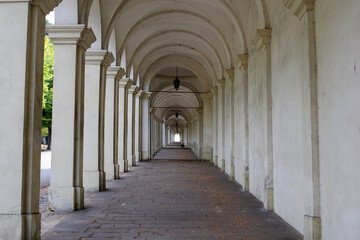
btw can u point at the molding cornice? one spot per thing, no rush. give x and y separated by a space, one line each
262 39
299 7
113 71
65 34
46 6
220 83
133 90
214 90
125 83
152 110
140 94
243 60
94 57
229 74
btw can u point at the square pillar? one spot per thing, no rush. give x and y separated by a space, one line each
145 129
207 126
214 91
94 175
220 125
112 167
133 90
66 190
21 77
124 85
138 125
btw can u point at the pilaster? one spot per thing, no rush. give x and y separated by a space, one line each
124 85
138 125
94 175
132 91
214 92
262 41
243 65
112 168
66 190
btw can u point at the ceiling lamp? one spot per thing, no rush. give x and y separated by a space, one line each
176 81
176 124
176 115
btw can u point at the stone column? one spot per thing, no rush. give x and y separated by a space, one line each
166 135
214 91
124 85
66 190
262 41
22 31
138 125
220 125
185 136
163 127
133 90
207 126
112 168
94 175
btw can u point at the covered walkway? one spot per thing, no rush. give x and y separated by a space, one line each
171 200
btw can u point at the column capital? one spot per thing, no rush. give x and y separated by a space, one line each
114 72
214 90
108 59
299 7
45 5
140 94
220 83
94 57
125 83
243 61
133 90
262 39
229 74
205 96
87 38
152 110
65 34
146 95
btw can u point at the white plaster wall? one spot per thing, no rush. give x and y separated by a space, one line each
338 47
239 127
291 113
257 123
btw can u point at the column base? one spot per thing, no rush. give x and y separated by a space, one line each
94 181
139 158
269 199
223 165
102 179
216 161
126 165
66 199
312 228
247 183
110 171
20 226
207 156
133 158
232 173
144 156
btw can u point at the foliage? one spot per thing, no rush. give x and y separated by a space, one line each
48 78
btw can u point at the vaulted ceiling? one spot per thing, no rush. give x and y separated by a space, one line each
150 38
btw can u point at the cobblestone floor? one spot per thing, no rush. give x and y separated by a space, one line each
170 200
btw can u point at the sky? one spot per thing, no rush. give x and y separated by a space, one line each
51 17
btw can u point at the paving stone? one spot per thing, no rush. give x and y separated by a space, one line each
171 199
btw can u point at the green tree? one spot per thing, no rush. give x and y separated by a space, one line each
48 78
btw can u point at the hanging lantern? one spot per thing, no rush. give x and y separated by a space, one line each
176 115
176 81
176 124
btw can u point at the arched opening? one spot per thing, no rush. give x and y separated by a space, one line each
177 138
